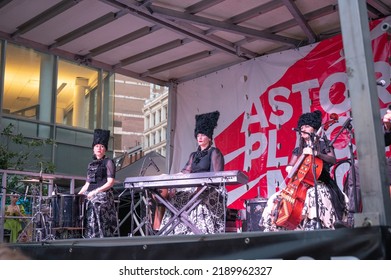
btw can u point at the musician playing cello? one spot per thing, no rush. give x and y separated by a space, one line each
332 202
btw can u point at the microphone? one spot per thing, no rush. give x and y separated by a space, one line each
381 83
386 27
301 131
312 135
347 123
154 165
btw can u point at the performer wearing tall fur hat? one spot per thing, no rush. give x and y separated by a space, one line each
100 217
209 215
332 203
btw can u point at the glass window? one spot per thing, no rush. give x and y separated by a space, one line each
146 122
164 133
28 83
157 141
158 114
153 119
165 113
78 95
81 98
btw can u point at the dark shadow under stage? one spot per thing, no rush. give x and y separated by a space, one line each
358 243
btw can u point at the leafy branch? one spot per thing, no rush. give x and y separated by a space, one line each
18 152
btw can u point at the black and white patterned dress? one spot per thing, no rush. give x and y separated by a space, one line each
209 215
333 204
101 216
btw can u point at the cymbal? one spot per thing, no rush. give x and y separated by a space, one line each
33 181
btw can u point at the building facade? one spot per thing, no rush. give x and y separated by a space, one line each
46 97
155 121
130 97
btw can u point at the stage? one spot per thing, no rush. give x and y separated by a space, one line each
137 241
369 243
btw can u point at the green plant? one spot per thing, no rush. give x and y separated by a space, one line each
25 153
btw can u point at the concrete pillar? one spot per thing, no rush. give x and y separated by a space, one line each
78 118
46 79
60 115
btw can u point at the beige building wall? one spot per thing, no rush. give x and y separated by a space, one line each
140 117
130 96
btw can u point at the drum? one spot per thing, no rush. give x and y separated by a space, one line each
68 210
254 210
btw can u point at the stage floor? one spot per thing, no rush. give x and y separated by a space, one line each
358 243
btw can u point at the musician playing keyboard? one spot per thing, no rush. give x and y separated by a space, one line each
209 215
332 202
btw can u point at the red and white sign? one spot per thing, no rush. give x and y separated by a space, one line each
261 100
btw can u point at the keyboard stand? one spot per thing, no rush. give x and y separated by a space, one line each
149 186
182 215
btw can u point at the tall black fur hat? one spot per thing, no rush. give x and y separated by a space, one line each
206 123
102 137
313 119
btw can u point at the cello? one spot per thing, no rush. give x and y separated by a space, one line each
290 201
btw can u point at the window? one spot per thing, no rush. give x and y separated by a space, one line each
74 95
153 119
77 95
147 121
26 93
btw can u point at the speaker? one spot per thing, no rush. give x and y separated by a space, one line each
254 210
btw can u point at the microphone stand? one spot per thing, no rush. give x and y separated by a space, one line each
318 224
132 212
347 125
312 137
353 168
147 220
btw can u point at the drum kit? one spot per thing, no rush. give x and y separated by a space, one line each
58 216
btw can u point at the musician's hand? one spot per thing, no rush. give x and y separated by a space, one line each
164 193
288 168
387 117
91 194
